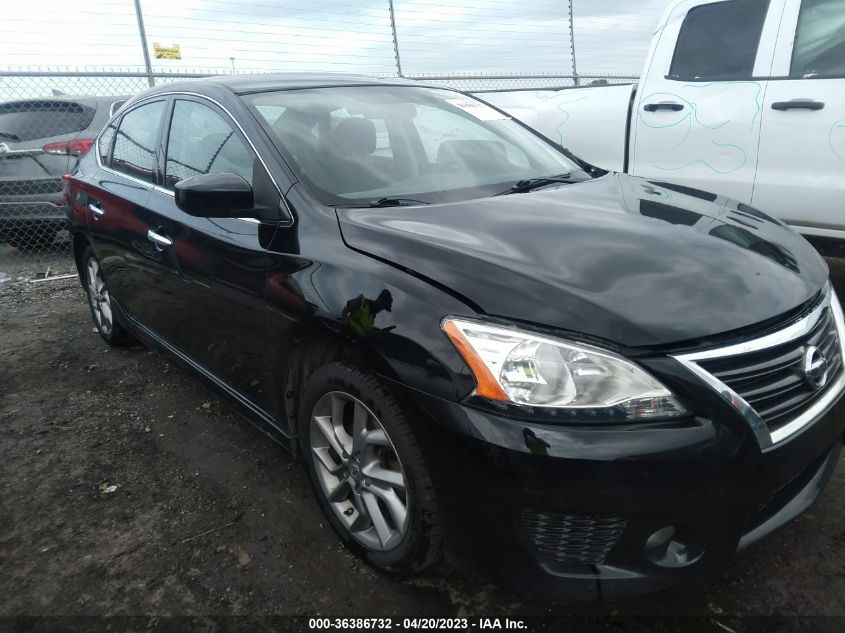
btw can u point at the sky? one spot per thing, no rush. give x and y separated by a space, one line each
436 36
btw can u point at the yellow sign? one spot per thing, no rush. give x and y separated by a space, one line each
166 52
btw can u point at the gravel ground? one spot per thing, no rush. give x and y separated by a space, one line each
126 489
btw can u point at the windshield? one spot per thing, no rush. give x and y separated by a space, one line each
353 145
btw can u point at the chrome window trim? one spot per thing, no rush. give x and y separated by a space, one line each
97 155
289 221
800 328
146 185
113 110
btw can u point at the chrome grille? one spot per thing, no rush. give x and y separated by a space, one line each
764 378
569 538
772 381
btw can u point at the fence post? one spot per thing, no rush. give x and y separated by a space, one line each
395 39
575 79
143 33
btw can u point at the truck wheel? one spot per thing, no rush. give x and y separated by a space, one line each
367 470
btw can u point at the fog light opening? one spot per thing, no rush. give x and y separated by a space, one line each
673 546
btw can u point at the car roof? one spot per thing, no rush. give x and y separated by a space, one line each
267 82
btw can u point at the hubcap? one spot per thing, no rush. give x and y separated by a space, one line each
98 295
359 471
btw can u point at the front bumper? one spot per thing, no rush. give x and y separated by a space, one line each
566 513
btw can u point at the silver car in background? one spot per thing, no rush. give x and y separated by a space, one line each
41 140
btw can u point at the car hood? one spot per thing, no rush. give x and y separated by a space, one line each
629 260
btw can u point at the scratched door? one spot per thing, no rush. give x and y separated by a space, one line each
697 115
801 171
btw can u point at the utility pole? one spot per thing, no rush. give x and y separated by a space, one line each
575 79
143 33
395 39
233 64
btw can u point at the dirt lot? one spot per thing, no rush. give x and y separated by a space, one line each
126 489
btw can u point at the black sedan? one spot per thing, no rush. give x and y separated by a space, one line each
579 384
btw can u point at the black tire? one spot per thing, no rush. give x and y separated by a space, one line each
112 332
422 543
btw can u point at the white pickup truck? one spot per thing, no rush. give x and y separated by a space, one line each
745 98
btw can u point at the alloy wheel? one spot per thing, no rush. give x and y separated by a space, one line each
98 294
359 471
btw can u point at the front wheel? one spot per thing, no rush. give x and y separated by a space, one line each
367 470
100 302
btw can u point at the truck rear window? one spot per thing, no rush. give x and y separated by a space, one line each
30 120
719 41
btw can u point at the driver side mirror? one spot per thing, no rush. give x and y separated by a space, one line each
219 195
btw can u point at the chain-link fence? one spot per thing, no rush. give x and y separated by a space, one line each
480 83
49 118
47 121
48 115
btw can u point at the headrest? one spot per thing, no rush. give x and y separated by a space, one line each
355 136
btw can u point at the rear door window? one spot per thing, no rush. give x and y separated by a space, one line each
202 142
719 41
819 49
23 121
136 140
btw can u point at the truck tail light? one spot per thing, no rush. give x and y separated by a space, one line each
76 147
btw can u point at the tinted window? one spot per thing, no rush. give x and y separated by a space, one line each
30 120
136 140
719 41
819 49
202 142
105 143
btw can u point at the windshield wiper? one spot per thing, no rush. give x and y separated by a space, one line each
10 136
529 184
396 202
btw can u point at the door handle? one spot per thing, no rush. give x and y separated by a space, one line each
663 105
159 240
798 104
96 211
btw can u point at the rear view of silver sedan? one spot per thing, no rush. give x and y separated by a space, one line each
41 140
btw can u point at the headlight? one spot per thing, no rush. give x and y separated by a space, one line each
526 369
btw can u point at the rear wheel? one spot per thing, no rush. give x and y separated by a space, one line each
367 470
100 302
